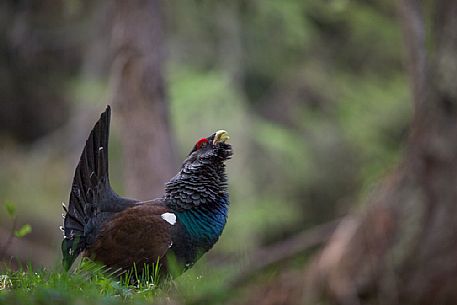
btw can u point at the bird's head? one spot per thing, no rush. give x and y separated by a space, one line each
211 149
202 178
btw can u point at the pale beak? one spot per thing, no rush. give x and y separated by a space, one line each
221 136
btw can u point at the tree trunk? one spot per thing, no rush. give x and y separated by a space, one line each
139 94
403 248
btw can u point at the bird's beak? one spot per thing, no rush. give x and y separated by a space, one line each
221 136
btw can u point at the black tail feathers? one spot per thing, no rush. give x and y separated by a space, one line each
90 185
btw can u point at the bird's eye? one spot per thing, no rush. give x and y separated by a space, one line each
201 143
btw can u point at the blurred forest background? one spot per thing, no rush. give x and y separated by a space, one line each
315 96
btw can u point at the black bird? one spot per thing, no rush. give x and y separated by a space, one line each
184 223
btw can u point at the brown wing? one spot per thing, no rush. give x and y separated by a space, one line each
136 235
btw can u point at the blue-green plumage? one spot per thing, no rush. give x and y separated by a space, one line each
205 225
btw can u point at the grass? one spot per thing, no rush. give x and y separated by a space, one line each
89 284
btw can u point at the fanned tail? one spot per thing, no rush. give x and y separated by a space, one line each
90 187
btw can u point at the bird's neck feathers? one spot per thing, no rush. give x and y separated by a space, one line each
198 196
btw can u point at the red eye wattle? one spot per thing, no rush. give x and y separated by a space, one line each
201 142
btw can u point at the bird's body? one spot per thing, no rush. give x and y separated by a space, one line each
118 232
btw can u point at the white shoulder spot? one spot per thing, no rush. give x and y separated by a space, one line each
169 217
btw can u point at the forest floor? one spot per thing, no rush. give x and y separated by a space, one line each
90 283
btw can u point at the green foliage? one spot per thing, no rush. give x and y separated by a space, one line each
88 284
147 279
92 283
375 114
39 287
10 209
23 231
19 233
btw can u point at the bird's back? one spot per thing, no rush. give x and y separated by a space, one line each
139 234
